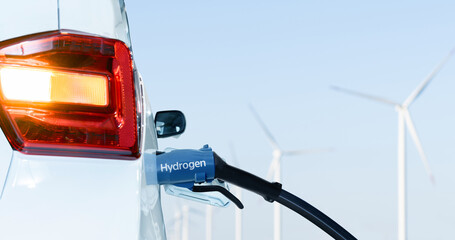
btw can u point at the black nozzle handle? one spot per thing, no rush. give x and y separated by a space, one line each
269 191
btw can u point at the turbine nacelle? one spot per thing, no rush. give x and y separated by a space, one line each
399 108
277 153
275 169
405 122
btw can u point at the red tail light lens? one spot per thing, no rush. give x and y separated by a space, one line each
68 94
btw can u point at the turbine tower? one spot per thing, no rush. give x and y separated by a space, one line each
238 212
208 221
181 221
275 169
238 215
185 222
238 194
405 121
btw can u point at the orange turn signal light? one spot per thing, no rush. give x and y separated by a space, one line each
53 86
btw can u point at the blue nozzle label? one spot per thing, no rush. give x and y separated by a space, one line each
180 166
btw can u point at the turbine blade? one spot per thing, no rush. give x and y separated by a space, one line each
307 151
415 138
265 129
363 95
416 93
272 168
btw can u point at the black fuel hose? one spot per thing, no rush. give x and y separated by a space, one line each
273 192
313 215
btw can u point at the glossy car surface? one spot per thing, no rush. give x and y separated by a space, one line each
64 197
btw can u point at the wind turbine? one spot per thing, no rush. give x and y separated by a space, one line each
238 217
238 212
238 194
181 221
404 120
178 224
275 169
185 222
208 221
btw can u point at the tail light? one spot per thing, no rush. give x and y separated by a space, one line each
68 94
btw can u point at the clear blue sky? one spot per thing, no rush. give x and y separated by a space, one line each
211 59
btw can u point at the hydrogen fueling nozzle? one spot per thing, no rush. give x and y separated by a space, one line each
186 172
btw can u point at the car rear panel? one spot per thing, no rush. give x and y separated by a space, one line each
57 197
5 161
70 198
106 18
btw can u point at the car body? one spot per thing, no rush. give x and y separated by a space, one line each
50 196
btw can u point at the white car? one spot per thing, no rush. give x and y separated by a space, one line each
78 141
75 124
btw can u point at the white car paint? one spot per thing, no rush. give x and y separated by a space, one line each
106 18
5 161
52 197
